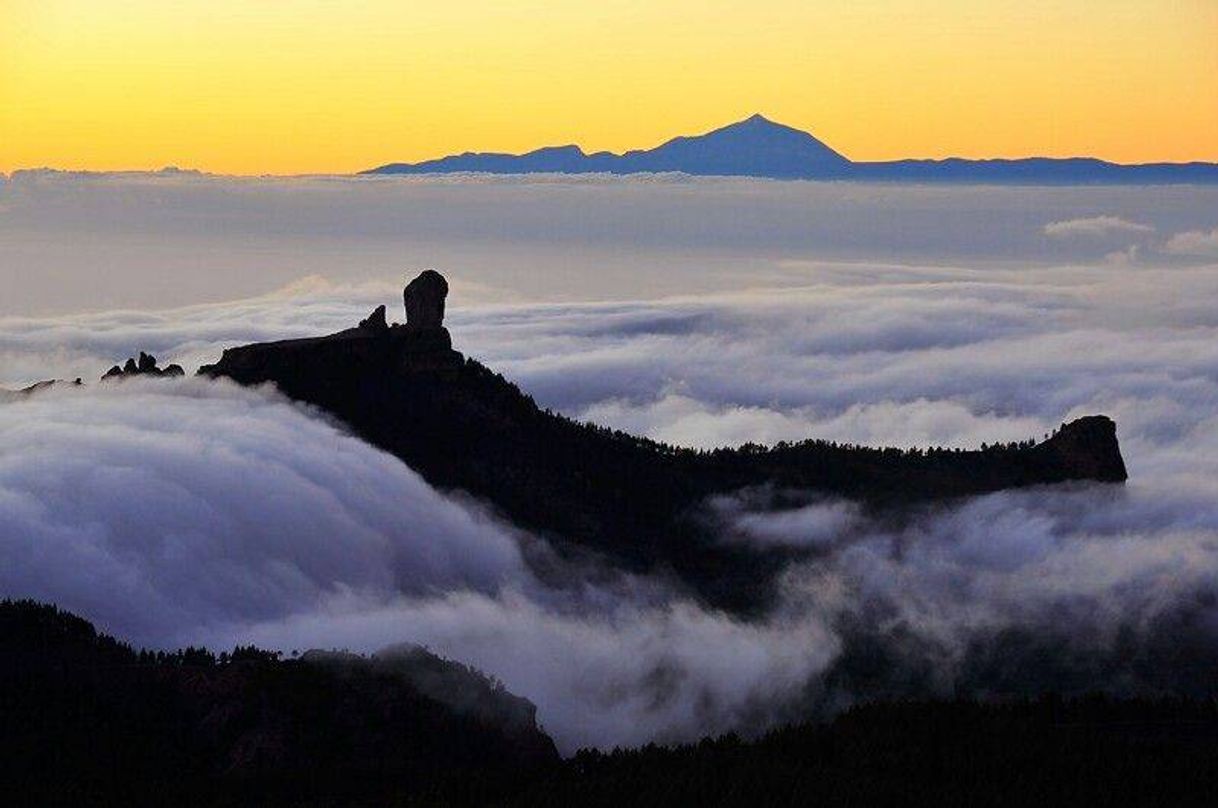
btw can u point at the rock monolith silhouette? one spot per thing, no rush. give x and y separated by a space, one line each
424 299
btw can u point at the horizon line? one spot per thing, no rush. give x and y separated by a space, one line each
174 168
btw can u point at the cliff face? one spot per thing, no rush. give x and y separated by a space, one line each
1087 449
460 425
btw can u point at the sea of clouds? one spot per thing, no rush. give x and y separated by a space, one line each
701 312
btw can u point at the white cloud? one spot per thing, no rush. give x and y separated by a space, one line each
1094 226
188 501
1194 242
818 524
1130 255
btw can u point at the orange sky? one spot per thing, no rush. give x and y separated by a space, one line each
291 86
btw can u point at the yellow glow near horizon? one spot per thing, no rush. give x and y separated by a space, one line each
290 86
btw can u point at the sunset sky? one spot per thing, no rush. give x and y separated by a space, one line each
292 86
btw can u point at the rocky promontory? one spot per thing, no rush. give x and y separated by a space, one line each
359 358
146 365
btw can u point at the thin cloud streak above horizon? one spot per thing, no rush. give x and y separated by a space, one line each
1095 226
71 243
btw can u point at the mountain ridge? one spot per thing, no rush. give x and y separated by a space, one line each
759 147
404 389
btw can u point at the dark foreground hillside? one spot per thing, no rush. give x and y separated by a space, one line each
85 720
1042 753
89 722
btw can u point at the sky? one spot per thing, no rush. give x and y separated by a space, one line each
317 86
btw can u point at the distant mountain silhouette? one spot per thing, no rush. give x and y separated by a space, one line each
759 147
754 147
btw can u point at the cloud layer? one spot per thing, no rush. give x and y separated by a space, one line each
72 242
187 511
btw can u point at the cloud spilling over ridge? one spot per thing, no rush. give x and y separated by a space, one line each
615 675
148 504
176 512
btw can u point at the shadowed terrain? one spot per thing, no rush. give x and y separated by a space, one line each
1092 751
89 721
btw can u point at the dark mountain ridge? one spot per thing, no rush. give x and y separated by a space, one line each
759 147
462 426
90 722
1044 751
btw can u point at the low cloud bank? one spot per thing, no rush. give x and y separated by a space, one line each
150 505
186 511
71 242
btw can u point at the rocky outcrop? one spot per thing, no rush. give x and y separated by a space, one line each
338 361
375 322
371 354
146 365
1087 448
424 298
